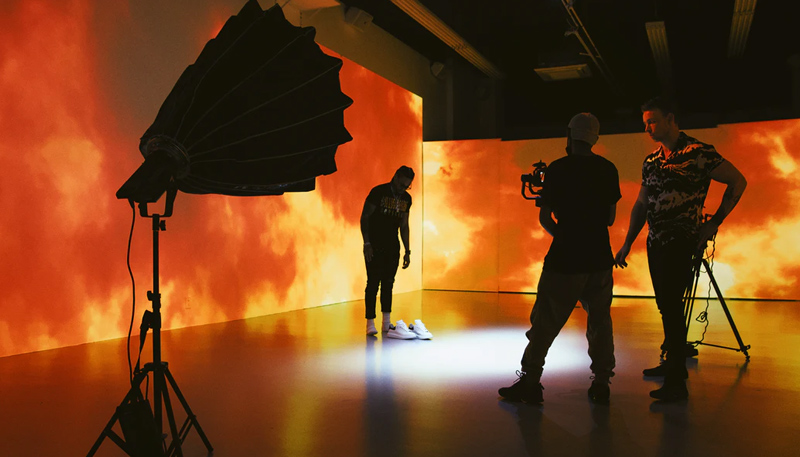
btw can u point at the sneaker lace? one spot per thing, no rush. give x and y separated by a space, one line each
521 377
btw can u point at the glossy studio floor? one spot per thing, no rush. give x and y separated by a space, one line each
310 383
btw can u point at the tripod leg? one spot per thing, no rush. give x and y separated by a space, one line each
133 393
688 300
691 291
742 346
107 431
157 408
175 447
186 407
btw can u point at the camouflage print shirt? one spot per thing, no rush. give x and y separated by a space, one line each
676 189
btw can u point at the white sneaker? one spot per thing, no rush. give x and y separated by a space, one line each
371 330
419 329
401 332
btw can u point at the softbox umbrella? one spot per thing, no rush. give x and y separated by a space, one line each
260 112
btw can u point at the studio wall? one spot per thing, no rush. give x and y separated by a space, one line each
480 234
81 81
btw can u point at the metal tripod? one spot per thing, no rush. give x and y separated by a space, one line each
699 261
141 426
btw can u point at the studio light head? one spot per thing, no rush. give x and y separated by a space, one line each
164 162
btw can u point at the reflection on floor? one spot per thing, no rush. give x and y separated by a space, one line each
310 383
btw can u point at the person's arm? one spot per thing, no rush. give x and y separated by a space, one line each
727 174
638 219
366 212
546 219
615 196
612 214
406 241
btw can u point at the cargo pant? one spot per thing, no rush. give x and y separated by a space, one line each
556 297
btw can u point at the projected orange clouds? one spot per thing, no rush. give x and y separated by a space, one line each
76 96
480 234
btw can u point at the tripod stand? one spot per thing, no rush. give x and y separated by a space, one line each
141 426
697 261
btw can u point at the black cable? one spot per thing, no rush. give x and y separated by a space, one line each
133 285
703 316
133 307
141 346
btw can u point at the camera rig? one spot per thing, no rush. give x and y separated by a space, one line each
533 182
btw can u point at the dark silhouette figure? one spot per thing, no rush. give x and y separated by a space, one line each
385 211
581 191
675 181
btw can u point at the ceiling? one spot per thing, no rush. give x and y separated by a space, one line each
709 87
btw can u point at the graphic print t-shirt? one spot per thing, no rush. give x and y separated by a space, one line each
385 220
676 189
580 190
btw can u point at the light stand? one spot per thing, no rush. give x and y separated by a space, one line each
688 300
141 426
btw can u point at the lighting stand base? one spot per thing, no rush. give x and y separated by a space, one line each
141 428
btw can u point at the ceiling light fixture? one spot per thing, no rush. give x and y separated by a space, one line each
564 72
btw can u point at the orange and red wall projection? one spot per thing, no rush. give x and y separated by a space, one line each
81 82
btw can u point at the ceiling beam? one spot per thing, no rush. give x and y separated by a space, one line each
436 26
657 35
743 11
579 31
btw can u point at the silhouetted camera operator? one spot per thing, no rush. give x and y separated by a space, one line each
578 203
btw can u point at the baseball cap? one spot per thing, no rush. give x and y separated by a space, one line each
584 127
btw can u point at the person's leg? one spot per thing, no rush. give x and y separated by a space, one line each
673 265
386 322
670 272
556 297
371 291
655 264
596 300
390 261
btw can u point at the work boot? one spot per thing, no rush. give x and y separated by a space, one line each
526 389
599 392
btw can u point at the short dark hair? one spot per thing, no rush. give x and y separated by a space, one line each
663 104
406 171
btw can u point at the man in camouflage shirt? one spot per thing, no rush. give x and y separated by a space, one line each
675 182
